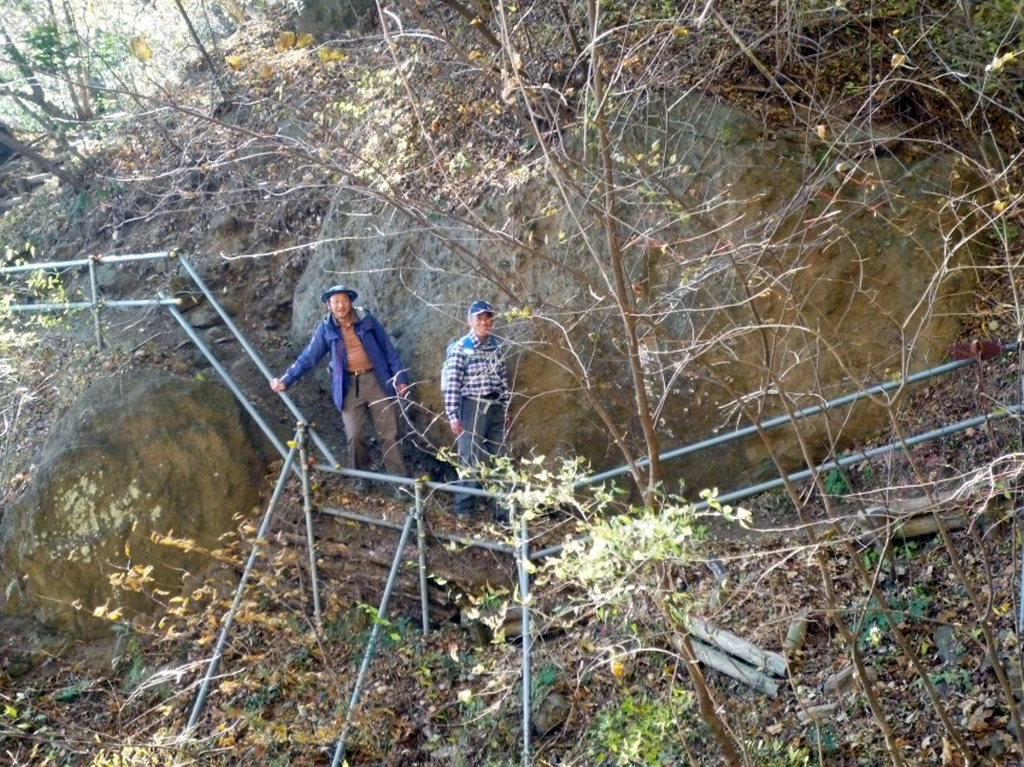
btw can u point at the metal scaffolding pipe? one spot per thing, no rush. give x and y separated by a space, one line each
86 262
230 324
94 287
847 460
523 563
242 399
229 619
377 522
782 420
864 455
371 646
307 510
448 487
126 304
421 548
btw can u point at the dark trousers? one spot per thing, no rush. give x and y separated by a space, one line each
483 435
366 397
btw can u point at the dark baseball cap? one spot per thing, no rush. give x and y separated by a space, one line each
479 307
326 295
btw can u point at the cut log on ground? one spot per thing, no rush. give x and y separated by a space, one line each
772 662
844 681
797 633
954 508
730 666
45 164
881 524
26 184
817 713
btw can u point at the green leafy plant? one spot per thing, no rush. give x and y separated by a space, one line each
836 483
776 753
643 729
956 678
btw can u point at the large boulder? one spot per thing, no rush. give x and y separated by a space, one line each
765 267
140 460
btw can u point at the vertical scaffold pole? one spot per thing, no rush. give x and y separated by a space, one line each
371 646
229 619
421 545
523 560
95 301
1020 599
307 508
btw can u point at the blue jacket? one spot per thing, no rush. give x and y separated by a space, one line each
387 365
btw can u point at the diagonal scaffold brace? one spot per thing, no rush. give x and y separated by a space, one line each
307 510
297 447
371 645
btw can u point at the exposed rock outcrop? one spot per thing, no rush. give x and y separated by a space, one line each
776 265
138 457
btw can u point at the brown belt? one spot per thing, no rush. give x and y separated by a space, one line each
358 373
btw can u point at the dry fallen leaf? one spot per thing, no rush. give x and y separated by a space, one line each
618 668
141 48
330 54
950 756
285 41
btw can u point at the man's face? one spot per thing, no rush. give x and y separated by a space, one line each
481 325
340 305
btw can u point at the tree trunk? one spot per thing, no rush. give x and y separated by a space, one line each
44 163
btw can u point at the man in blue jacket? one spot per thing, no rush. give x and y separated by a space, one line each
366 375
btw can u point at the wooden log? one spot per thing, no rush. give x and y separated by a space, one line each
880 523
844 680
839 681
928 524
772 662
25 184
817 713
913 517
797 633
45 164
730 666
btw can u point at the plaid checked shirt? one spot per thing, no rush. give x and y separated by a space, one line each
483 375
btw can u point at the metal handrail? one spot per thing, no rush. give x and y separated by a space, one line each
785 419
86 261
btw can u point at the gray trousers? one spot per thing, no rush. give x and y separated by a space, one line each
483 435
365 396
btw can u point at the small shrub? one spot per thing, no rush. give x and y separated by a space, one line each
643 729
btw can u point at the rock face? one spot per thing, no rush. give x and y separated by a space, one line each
327 17
142 455
766 268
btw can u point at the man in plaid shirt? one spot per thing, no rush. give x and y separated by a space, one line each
476 399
